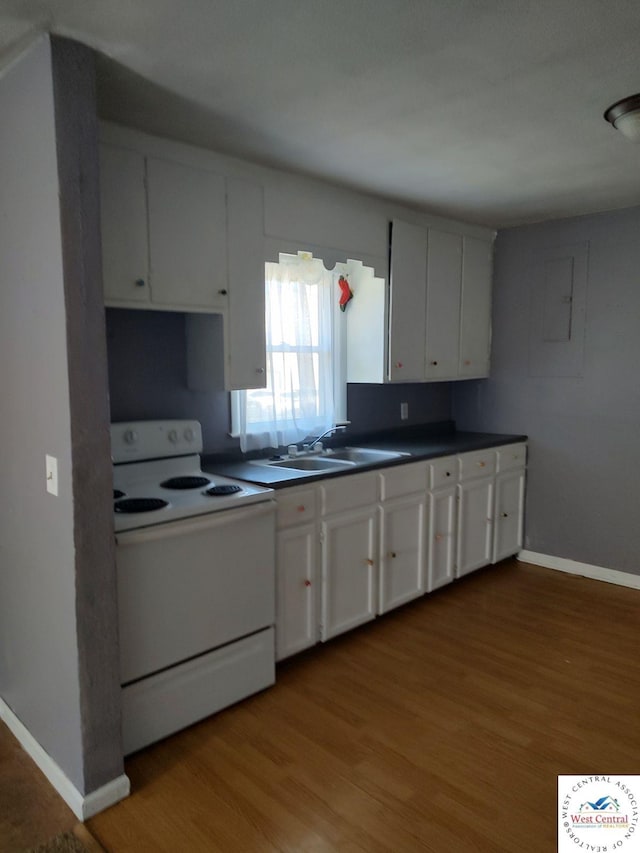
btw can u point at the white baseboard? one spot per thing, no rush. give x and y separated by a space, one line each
598 573
83 806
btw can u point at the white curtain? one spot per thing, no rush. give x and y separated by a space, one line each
298 400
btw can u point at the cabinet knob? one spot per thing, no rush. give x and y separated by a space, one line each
392 554
259 369
438 537
307 582
434 363
481 464
447 473
369 561
223 292
505 515
467 362
139 282
398 364
300 508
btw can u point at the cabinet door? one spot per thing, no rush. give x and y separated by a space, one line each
123 211
246 347
444 270
475 525
296 618
402 554
187 236
407 304
508 514
475 308
442 538
348 571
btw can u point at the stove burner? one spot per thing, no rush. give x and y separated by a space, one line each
139 504
185 483
117 494
215 491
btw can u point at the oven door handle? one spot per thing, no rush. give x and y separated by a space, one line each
194 524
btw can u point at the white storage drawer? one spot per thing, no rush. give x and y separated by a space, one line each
403 480
512 457
296 506
342 493
443 472
480 463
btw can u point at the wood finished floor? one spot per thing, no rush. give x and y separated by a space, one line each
441 727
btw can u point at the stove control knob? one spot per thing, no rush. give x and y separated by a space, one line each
173 436
130 436
189 435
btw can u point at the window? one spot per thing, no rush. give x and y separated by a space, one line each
303 358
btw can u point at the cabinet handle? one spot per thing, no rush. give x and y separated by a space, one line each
223 292
392 554
139 282
369 561
307 582
300 508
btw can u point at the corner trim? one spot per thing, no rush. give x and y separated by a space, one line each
83 806
573 567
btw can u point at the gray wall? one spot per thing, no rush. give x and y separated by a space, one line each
148 379
58 627
39 677
578 400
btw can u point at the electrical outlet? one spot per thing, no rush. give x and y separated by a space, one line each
404 411
52 474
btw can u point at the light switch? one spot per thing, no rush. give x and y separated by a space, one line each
404 411
52 474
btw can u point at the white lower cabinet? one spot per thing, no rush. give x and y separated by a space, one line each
441 555
402 551
509 512
296 618
360 545
475 525
349 568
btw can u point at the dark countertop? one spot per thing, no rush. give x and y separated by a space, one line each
426 447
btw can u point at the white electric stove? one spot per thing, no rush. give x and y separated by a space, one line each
195 562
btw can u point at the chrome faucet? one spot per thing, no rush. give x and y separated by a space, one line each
326 432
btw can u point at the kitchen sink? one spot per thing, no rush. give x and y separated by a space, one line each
363 456
311 463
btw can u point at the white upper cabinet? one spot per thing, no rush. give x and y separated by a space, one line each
439 310
123 209
164 233
407 302
187 236
475 308
444 272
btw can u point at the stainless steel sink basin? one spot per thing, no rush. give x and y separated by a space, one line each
312 463
364 456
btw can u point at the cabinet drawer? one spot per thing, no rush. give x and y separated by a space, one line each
481 463
296 506
443 472
511 457
403 480
344 493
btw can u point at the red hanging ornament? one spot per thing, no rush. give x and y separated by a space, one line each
346 294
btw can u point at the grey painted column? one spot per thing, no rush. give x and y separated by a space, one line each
96 601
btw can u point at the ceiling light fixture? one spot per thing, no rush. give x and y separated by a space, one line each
624 115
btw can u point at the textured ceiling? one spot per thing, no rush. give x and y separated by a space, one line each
489 112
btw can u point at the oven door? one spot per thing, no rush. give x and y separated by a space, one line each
190 586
